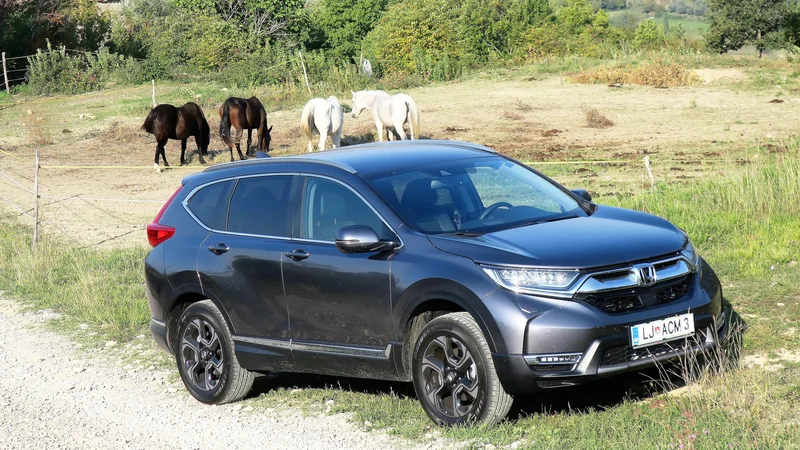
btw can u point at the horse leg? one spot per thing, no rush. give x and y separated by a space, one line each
238 149
380 130
155 160
249 141
336 139
164 156
230 147
199 150
322 138
183 152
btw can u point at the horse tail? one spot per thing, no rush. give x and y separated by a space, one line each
306 118
413 112
225 125
150 121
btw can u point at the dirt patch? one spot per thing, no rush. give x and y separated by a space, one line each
775 100
454 130
551 133
711 75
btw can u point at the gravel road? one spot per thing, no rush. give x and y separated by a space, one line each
54 397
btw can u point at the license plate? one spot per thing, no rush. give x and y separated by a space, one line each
662 330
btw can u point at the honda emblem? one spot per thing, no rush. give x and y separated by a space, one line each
643 274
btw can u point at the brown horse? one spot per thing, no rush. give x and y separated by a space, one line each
243 114
168 122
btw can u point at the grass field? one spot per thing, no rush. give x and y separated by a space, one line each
727 167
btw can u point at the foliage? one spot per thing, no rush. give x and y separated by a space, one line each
736 23
648 35
657 73
344 24
576 14
53 71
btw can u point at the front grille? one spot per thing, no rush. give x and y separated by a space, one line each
627 300
625 354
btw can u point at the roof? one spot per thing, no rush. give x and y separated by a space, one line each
377 157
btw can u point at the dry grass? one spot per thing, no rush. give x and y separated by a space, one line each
656 74
595 119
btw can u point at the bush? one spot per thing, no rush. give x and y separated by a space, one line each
657 74
52 71
648 34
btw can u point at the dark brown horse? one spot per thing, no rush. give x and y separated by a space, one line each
168 122
243 114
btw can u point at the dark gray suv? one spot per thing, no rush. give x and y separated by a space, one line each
440 263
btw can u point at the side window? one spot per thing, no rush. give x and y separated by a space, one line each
210 204
328 206
260 206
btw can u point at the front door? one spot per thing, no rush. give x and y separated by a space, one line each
240 267
339 305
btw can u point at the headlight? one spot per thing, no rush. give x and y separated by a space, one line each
518 279
690 253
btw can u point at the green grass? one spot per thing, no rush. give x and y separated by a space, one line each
745 224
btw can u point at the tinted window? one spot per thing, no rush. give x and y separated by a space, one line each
477 195
210 204
261 206
329 206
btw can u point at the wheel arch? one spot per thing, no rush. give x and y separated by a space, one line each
182 298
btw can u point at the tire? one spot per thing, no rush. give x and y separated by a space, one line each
205 357
460 385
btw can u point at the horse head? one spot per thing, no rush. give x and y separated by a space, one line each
268 137
358 104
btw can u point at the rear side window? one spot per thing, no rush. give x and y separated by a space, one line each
210 204
261 206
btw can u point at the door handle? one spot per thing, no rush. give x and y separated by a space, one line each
218 249
298 255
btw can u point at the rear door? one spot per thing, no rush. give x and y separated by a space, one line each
239 265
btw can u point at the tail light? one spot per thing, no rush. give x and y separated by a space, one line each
157 233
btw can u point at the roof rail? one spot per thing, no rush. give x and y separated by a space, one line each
278 160
446 142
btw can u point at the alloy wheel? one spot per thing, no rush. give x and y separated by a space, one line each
202 356
450 376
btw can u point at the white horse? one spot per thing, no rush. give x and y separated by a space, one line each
388 111
325 118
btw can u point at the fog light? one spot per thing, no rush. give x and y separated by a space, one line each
555 358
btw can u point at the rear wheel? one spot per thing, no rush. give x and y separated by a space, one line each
454 375
205 356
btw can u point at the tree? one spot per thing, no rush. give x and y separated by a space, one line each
736 23
345 23
648 35
665 24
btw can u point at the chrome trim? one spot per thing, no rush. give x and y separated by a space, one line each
592 284
343 350
185 204
332 349
275 343
624 279
532 361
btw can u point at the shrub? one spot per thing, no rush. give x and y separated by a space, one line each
657 74
52 71
648 34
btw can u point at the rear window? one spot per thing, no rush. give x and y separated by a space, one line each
210 204
260 206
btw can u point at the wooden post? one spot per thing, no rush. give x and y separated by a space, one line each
36 200
305 75
154 93
5 74
649 172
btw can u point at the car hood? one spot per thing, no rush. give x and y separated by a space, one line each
609 236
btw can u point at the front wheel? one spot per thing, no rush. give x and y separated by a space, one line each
454 375
205 356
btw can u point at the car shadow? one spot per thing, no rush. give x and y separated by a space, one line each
597 395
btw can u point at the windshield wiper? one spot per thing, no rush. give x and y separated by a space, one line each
538 221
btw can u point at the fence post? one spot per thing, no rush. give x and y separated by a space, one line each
36 200
305 75
649 172
5 74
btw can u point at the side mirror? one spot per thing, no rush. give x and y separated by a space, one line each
582 193
360 239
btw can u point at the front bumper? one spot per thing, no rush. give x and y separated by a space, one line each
608 356
602 340
158 329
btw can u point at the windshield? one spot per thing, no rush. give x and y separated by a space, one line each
477 196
